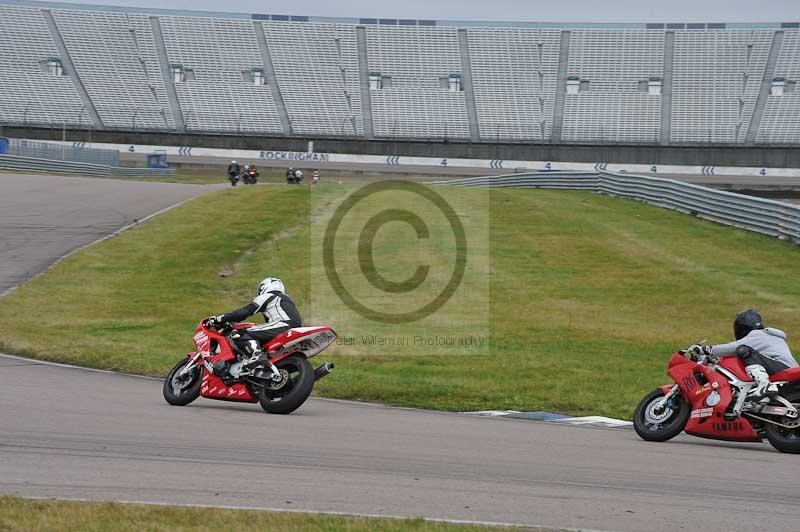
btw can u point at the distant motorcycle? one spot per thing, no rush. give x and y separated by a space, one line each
279 381
233 177
294 177
710 400
250 177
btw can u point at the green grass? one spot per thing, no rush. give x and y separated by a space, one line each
23 515
584 297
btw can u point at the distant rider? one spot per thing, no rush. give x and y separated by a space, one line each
280 315
764 351
234 169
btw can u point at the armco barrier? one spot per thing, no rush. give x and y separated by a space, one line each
562 180
13 162
773 218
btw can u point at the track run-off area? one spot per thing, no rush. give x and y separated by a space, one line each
80 434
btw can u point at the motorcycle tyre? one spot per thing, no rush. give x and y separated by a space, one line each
297 395
667 433
781 442
191 393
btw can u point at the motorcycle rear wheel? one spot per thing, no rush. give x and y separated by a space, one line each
293 392
652 424
180 391
786 440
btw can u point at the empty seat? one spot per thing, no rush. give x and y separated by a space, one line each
218 96
30 94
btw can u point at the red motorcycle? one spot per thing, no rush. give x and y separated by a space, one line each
710 400
250 176
281 381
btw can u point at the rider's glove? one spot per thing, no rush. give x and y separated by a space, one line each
215 322
699 351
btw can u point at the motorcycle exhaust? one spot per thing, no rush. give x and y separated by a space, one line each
323 371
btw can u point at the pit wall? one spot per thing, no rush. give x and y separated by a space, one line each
271 157
766 156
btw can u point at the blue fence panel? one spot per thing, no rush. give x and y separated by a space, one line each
3 145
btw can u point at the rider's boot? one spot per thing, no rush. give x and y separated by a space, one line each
258 357
763 388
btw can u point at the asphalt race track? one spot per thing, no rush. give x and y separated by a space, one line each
72 433
81 434
45 217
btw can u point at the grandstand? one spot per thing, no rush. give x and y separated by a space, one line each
135 69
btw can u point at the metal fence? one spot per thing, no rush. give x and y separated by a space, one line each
61 152
13 162
561 180
769 217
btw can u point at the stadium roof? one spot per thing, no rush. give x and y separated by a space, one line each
402 22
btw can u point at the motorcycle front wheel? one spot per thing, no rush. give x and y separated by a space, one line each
786 439
182 390
291 392
653 422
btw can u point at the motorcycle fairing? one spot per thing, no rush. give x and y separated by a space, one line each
307 340
704 420
735 366
789 375
213 388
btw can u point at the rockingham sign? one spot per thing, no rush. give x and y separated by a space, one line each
294 156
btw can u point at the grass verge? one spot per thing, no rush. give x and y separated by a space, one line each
24 515
588 296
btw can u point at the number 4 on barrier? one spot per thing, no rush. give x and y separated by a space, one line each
763 171
444 162
132 149
654 169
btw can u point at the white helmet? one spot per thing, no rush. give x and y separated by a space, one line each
233 162
270 284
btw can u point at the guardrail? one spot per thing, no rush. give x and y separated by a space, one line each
768 217
13 162
560 180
